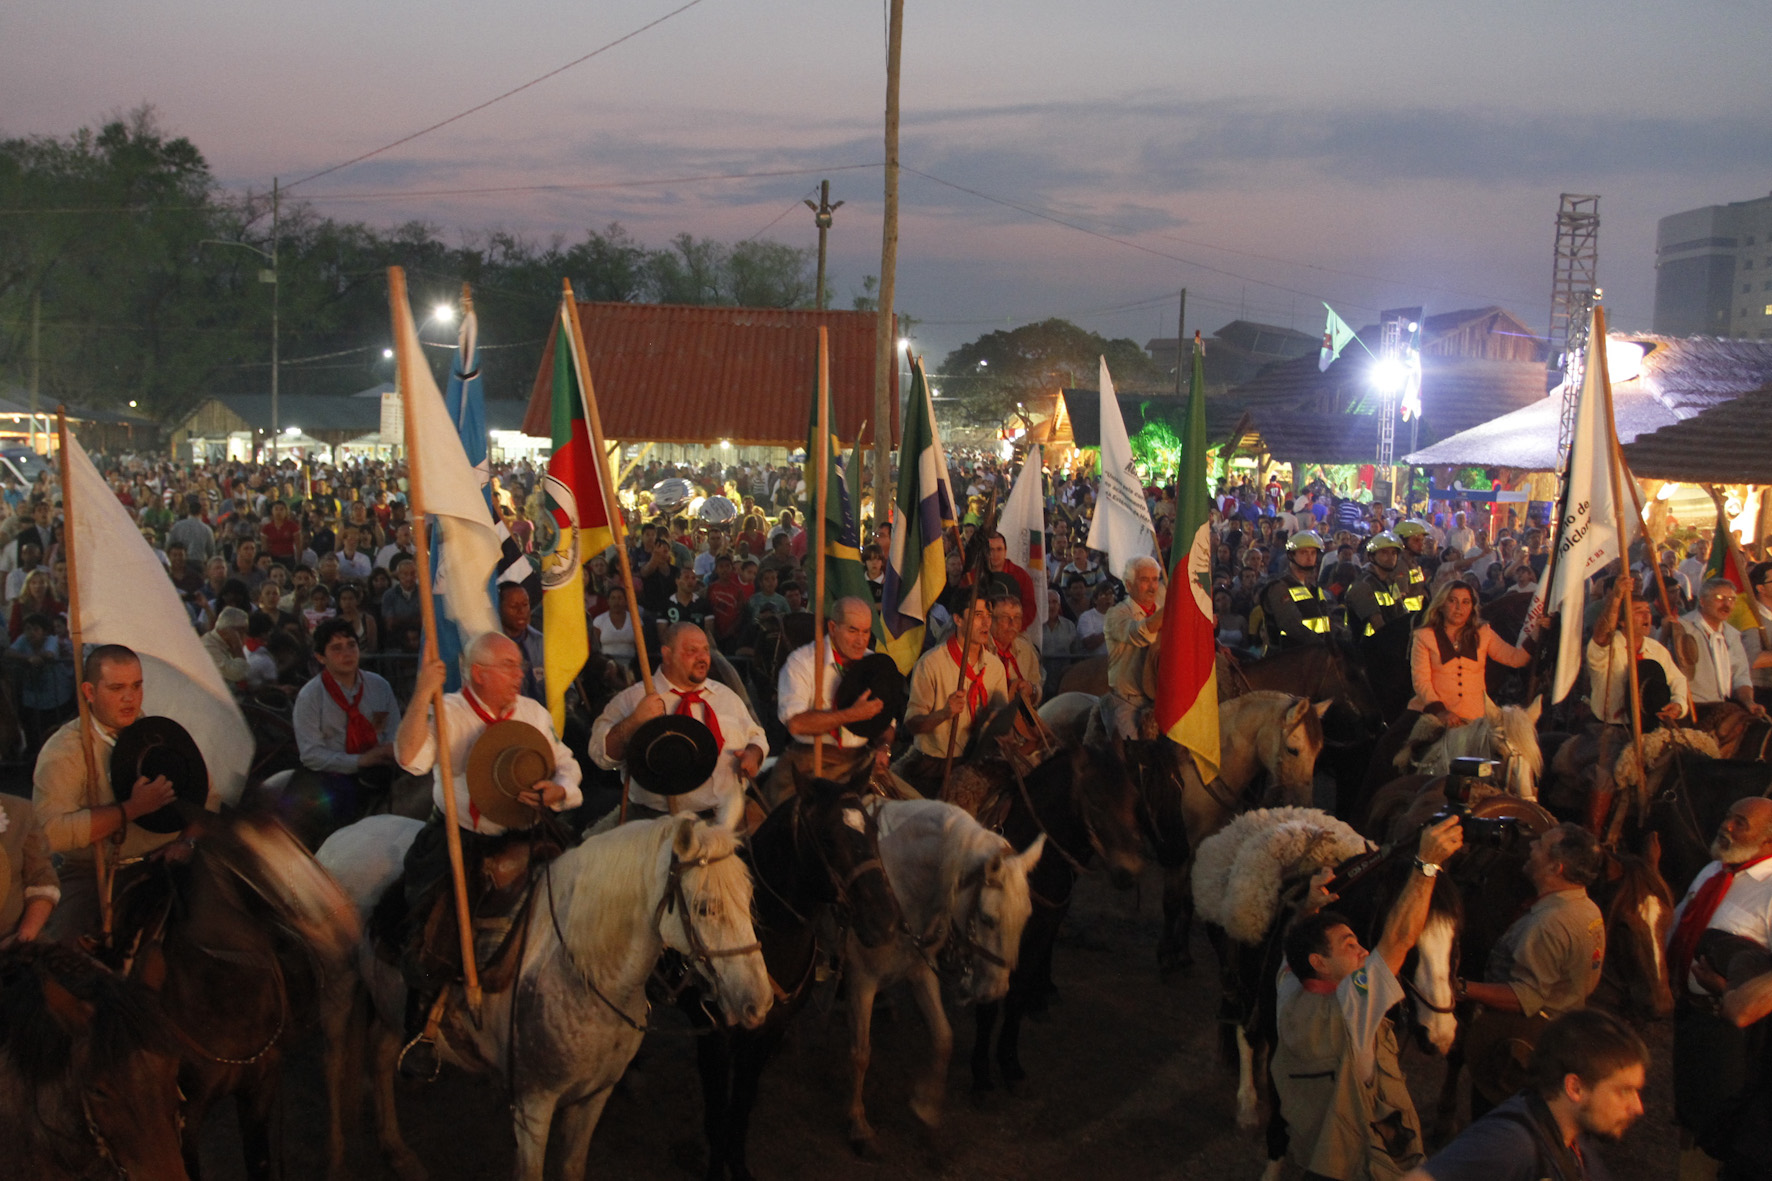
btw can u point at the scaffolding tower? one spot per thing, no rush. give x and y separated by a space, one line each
1574 289
1390 337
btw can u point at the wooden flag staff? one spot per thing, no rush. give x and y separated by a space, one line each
428 618
101 853
821 492
574 340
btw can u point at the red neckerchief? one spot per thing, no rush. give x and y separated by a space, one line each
1697 916
1148 611
1007 656
480 711
976 694
708 716
1319 986
360 732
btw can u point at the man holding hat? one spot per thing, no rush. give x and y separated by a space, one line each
850 629
684 691
139 823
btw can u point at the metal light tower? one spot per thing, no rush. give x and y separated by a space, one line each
1574 289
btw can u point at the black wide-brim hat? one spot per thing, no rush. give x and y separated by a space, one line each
149 748
875 673
672 754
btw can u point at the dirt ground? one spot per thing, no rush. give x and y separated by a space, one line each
1124 1082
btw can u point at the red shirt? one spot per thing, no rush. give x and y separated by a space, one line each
280 539
728 600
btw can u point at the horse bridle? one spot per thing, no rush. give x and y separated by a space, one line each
962 940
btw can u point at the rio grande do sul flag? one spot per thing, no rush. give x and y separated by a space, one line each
1187 670
577 510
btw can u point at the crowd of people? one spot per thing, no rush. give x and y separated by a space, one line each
303 584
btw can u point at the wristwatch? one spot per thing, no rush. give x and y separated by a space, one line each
1428 869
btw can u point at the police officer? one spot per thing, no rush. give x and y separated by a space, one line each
1413 578
1376 598
1295 612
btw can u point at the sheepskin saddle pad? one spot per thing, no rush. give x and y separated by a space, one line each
1239 870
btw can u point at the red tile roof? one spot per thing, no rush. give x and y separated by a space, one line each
665 373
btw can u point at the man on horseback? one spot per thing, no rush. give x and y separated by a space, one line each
1295 612
1721 675
849 631
1341 1090
945 703
1132 627
1414 579
1544 965
111 682
345 720
1021 660
493 693
1663 688
682 687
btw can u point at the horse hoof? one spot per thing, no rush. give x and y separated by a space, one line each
927 1112
1248 1119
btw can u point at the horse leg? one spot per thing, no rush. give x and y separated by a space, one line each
578 1119
713 1061
1173 952
343 1019
384 1052
1009 1041
927 1094
532 1115
254 1105
752 1055
1278 1138
984 1023
1247 1114
862 987
1446 1108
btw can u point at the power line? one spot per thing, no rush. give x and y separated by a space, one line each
497 98
588 186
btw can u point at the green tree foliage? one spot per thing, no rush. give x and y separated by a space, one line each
988 377
149 293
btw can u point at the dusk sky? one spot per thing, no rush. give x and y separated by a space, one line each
1265 155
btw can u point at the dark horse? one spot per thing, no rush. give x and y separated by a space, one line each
88 1071
1689 796
236 942
817 851
1088 809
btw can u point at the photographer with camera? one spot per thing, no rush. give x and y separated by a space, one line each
1543 966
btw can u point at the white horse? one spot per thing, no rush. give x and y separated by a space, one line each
1505 733
963 892
567 1028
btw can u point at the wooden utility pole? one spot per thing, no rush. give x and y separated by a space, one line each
1181 339
821 488
885 387
821 217
36 363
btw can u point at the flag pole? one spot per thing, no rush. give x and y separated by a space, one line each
1597 356
821 494
427 608
618 526
101 855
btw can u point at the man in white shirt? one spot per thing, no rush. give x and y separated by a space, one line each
400 547
683 688
950 686
1692 569
1721 673
1092 624
1666 696
1460 537
806 715
352 562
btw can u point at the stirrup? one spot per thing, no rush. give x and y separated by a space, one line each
417 1074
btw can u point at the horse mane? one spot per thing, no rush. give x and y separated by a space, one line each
1522 735
615 881
125 1022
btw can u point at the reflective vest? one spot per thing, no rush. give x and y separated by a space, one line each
1310 603
1415 598
1384 599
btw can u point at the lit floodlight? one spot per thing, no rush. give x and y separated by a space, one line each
1388 375
387 354
292 430
904 343
443 313
1624 360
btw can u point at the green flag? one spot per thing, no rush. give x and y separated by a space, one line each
844 575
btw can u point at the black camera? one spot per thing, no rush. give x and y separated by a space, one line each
1488 831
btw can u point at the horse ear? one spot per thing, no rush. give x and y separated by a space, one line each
1535 710
683 840
70 1012
1295 712
1491 712
1030 856
993 870
1322 707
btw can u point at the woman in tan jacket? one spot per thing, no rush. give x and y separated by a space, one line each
1450 653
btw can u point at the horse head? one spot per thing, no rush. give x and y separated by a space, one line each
1513 742
707 918
1107 800
1639 909
91 1063
1434 965
991 908
1289 750
845 843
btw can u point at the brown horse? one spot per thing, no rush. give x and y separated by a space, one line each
236 943
88 1071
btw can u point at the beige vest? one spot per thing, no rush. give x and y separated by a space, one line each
1330 1114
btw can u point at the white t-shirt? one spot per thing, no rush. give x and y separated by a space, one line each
617 643
1745 910
737 731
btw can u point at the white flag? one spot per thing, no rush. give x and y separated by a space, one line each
1594 499
1122 526
126 598
451 486
1023 526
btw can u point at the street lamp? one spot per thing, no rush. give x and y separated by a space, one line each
267 276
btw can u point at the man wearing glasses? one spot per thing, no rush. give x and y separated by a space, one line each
1721 673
